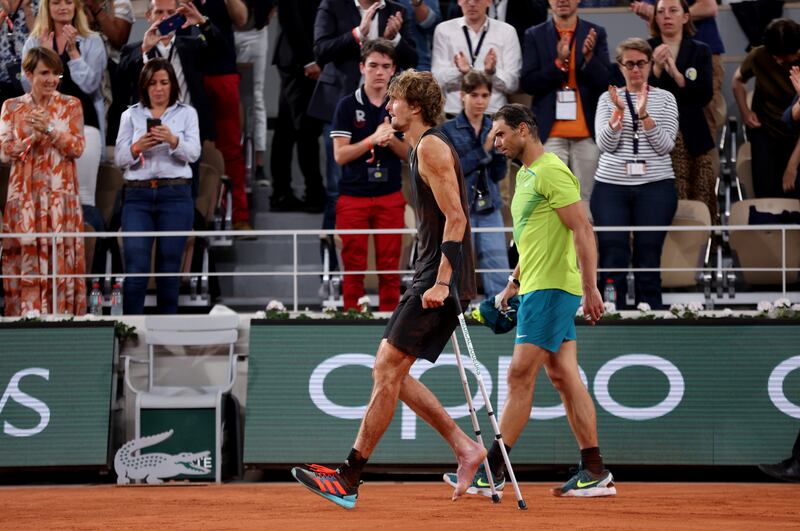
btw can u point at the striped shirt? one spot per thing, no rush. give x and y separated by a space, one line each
655 145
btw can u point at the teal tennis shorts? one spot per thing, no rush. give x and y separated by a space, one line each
546 318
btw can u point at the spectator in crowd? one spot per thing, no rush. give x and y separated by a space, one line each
771 140
369 152
566 68
251 47
683 67
299 72
112 20
158 138
789 469
18 17
791 117
483 168
341 27
703 14
475 42
61 25
522 14
189 50
222 88
41 134
636 126
423 15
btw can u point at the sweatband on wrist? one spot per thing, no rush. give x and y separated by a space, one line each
452 251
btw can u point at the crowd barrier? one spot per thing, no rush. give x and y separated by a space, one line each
723 273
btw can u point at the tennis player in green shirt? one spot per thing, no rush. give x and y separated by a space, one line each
553 236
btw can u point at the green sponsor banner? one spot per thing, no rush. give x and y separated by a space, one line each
55 380
665 393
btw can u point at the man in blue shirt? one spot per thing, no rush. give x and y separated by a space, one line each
425 15
483 169
370 196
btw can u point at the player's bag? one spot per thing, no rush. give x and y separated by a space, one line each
498 321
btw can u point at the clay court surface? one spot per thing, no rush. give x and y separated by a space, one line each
399 506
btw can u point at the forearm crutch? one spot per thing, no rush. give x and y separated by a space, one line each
495 426
473 416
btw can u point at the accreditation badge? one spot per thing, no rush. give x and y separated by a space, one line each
566 105
635 167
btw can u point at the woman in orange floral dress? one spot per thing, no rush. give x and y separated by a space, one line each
41 134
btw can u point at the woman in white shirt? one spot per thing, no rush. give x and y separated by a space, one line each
635 129
158 138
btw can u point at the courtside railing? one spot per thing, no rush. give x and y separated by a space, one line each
721 269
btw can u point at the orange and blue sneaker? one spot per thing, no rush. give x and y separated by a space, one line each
327 483
587 484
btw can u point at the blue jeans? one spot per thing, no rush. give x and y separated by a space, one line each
646 204
490 248
155 209
333 174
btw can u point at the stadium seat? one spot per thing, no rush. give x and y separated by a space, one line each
184 383
744 170
686 249
208 192
763 248
110 181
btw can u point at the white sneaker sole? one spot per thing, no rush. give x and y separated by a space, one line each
475 491
593 492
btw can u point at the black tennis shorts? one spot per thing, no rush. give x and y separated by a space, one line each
419 332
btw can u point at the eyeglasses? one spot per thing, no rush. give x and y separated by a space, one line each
630 65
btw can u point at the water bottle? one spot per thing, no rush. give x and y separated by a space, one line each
96 299
116 299
610 292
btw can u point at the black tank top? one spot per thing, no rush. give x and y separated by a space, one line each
430 229
69 87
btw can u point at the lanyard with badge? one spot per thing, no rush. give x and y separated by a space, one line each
473 55
566 100
376 174
635 166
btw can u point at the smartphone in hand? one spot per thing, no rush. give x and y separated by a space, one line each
153 122
171 24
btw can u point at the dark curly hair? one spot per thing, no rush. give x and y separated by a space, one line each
782 37
419 89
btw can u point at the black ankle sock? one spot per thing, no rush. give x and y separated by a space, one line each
350 471
495 457
592 460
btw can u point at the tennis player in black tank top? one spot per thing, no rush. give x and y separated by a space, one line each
428 313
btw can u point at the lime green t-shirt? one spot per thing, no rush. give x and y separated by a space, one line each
545 245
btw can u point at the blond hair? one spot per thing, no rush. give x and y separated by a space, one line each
419 89
44 21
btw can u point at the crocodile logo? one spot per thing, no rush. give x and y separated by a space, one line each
156 466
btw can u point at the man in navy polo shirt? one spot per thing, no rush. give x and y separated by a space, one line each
366 147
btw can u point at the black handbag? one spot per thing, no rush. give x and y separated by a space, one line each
482 200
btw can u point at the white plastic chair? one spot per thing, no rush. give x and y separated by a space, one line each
187 331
